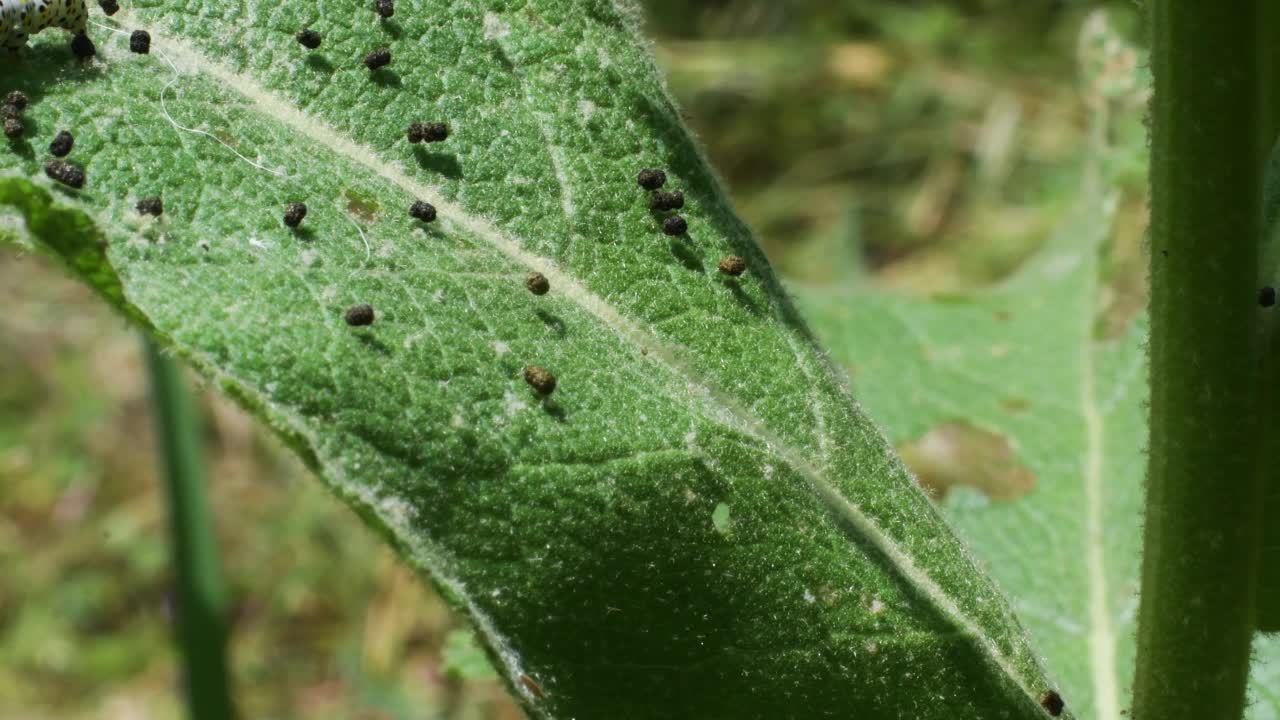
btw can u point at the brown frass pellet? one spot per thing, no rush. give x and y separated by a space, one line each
65 173
1267 296
377 59
651 178
673 200
424 211
18 100
294 212
1052 702
385 8
675 225
151 206
732 265
359 315
13 127
82 47
308 38
109 7
540 379
428 132
140 42
62 144
537 283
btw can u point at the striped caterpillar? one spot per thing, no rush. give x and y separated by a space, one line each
19 19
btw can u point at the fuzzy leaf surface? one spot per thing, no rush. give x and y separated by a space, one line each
699 523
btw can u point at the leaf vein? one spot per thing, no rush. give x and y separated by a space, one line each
721 406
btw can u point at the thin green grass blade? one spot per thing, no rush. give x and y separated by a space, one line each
200 598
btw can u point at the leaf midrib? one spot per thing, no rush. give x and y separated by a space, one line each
719 407
1102 638
1102 641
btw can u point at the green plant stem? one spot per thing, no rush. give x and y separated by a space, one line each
1196 614
200 604
1269 81
1268 602
1268 587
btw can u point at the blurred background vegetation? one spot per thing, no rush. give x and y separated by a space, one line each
923 146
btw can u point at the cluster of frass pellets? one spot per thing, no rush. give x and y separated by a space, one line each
418 132
652 179
64 171
360 315
363 314
375 59
67 173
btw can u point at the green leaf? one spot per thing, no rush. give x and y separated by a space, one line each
1024 406
464 658
1021 366
698 523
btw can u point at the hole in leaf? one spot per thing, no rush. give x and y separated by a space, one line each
720 519
958 454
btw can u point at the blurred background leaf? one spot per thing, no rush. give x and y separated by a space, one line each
1021 404
928 147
